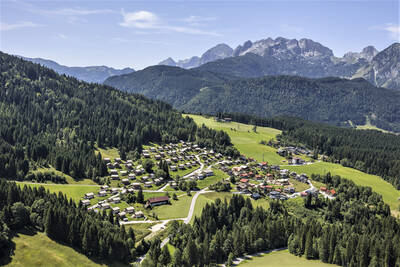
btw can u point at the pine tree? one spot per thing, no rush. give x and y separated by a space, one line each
308 251
165 257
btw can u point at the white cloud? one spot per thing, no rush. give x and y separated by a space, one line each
394 31
193 19
18 25
391 28
78 11
145 20
62 36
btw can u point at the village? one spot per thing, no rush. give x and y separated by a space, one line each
135 187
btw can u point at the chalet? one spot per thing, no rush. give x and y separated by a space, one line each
112 172
208 173
181 166
332 192
122 214
115 210
130 210
152 149
156 201
116 200
255 196
130 190
89 196
105 187
269 188
139 214
242 187
136 185
297 161
283 181
303 194
322 188
105 206
129 166
258 177
114 191
157 181
290 190
118 160
173 168
157 157
274 194
107 160
129 161
244 181
123 191
102 193
146 155
114 177
123 173
116 165
125 181
85 202
145 178
132 176
110 165
148 184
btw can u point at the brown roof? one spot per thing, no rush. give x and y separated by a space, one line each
158 199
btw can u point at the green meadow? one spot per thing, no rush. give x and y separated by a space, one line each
39 250
245 140
76 192
282 258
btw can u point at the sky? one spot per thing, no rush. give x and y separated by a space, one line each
142 33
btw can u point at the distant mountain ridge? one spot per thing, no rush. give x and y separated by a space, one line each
332 100
95 74
302 57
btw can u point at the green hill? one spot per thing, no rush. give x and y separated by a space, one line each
332 100
48 119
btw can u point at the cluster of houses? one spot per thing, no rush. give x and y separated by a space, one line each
255 178
222 119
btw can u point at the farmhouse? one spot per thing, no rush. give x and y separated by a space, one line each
89 196
139 214
85 202
102 193
115 210
130 210
105 206
156 201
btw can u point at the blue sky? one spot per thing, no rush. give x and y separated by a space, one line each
142 33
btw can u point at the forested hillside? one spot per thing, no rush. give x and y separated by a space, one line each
355 229
46 118
332 100
366 150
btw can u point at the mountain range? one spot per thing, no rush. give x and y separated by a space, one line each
302 57
332 100
95 74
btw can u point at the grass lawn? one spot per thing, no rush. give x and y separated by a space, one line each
109 152
244 139
299 186
218 176
282 258
76 192
388 192
178 208
39 250
68 178
141 230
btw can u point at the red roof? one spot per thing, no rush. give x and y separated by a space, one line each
333 192
322 188
158 199
278 190
264 163
270 175
303 194
244 180
269 186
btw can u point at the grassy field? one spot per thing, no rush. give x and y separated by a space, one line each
282 258
110 152
388 192
141 230
76 192
218 176
39 250
68 178
245 140
178 208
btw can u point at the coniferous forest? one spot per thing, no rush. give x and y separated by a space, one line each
51 119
